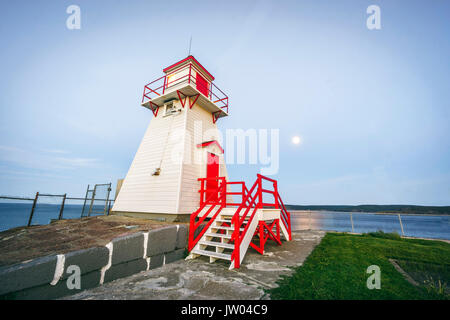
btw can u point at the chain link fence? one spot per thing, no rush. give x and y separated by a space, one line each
44 208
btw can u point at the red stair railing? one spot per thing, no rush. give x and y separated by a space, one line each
251 201
256 201
285 217
221 190
237 221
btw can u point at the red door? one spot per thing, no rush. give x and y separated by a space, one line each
202 85
212 171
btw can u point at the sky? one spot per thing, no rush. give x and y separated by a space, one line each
372 107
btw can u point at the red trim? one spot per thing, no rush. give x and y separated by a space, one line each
155 109
215 116
181 100
191 104
187 59
207 143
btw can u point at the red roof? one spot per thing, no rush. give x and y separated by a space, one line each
185 60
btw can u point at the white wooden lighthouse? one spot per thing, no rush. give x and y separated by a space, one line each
181 145
179 174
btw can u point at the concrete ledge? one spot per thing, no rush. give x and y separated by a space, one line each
156 261
26 275
32 280
174 256
161 240
47 291
182 236
125 269
88 260
128 248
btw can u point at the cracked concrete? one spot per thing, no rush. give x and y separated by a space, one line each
199 279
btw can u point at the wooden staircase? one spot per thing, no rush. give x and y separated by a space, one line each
221 230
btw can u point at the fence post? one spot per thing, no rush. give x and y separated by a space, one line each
310 213
109 208
32 209
401 224
62 207
92 201
84 204
107 198
351 219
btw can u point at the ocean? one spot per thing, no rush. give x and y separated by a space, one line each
17 214
422 226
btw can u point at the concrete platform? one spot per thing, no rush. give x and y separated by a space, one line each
198 279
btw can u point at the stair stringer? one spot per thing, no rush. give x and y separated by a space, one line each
197 246
284 231
247 238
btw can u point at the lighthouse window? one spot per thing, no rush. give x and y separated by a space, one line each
170 109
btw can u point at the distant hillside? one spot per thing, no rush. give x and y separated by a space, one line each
377 208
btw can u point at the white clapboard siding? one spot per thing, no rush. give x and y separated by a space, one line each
143 192
175 190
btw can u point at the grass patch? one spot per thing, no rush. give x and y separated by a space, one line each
383 235
336 269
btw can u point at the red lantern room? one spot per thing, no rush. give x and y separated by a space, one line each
190 82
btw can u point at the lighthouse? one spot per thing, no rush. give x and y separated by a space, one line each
180 145
179 173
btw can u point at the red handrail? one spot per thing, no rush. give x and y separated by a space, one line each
251 201
194 225
212 92
286 217
237 222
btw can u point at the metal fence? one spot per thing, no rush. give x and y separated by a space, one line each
98 197
413 225
44 208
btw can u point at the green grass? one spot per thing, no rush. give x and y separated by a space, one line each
336 269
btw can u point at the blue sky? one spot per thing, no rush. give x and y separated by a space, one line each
372 106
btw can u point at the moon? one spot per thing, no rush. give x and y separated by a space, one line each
296 140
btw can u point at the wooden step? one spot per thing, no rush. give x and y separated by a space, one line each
223 221
230 216
218 235
217 244
227 221
213 254
225 228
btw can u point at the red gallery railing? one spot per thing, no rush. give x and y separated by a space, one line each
251 201
161 85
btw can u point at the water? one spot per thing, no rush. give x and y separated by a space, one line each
16 214
422 226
